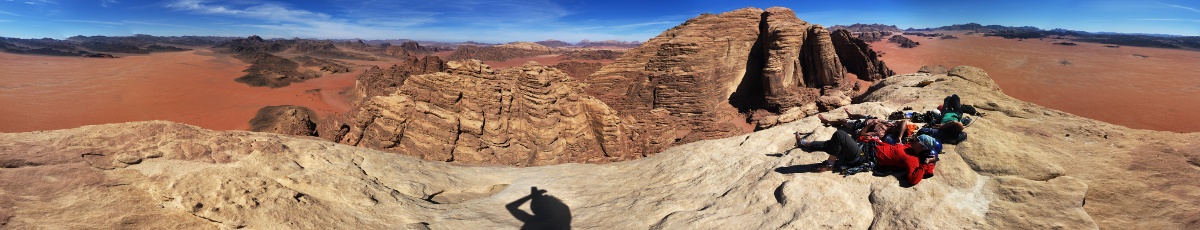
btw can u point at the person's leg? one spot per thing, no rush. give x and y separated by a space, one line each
835 123
842 146
953 103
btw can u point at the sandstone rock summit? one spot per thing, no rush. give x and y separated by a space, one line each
714 71
1024 167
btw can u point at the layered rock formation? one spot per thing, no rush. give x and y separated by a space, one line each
578 70
711 71
470 113
285 119
1024 167
378 82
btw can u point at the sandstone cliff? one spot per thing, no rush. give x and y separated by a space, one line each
470 113
1025 167
714 71
859 58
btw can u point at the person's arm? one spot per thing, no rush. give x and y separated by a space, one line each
514 208
916 170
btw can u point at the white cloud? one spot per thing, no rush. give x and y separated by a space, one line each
267 11
92 22
1167 19
458 20
1180 7
105 3
9 13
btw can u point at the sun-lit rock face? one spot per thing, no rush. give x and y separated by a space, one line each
714 71
470 113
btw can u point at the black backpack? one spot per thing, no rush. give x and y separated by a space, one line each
865 162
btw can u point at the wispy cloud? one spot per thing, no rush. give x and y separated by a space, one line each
1167 19
5 21
105 3
9 13
629 26
266 11
92 22
1179 6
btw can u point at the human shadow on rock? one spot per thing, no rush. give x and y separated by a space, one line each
548 211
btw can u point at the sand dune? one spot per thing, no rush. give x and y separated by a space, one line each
195 87
1156 90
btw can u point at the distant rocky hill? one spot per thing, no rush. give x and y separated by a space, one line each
99 46
860 28
1029 32
608 43
904 42
554 43
497 53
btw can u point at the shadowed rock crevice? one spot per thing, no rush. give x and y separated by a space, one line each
750 95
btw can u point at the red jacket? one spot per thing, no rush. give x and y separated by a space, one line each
889 155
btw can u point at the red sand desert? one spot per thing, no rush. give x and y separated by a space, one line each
1158 91
193 87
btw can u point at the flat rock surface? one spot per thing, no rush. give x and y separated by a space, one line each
1024 167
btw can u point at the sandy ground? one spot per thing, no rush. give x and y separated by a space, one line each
194 87
1116 85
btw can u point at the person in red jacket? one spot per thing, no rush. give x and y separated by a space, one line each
916 158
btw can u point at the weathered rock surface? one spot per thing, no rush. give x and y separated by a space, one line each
470 113
713 71
933 69
377 81
578 70
285 119
1020 169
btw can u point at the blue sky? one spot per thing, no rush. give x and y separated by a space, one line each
533 20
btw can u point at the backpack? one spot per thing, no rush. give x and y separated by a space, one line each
866 160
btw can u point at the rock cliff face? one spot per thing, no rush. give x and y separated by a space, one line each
859 58
470 113
378 82
712 71
1024 167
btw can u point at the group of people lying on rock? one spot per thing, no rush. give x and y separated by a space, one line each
891 145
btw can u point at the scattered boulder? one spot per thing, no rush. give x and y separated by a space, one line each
285 119
933 69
